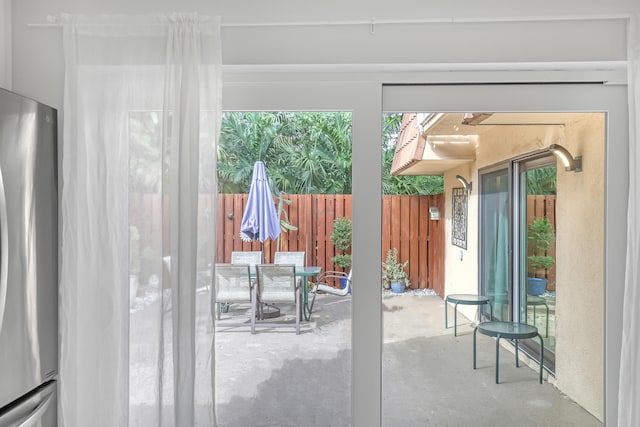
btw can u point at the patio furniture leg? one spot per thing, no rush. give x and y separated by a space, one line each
517 345
313 300
446 322
474 347
455 320
541 354
546 331
497 358
298 310
254 303
304 287
218 311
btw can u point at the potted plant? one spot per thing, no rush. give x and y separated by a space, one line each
541 237
393 274
341 238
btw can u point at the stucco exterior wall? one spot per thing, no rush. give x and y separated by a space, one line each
461 265
580 268
579 246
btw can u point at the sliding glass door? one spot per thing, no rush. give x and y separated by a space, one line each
537 251
494 241
365 100
517 240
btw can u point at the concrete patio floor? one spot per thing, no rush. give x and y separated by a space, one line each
275 378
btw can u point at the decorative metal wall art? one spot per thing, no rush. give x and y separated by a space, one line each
459 219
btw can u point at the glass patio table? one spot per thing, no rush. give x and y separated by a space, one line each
535 301
464 299
304 273
510 330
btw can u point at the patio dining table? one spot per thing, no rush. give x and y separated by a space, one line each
464 299
509 330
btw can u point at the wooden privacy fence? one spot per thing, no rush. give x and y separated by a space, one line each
541 206
405 225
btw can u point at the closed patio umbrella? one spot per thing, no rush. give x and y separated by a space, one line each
259 220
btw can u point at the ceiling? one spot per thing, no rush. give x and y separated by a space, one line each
440 142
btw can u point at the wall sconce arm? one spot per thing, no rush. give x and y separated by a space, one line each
466 184
569 162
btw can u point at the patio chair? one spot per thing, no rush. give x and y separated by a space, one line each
233 284
323 285
252 258
278 284
295 258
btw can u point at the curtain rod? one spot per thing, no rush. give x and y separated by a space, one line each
422 67
54 21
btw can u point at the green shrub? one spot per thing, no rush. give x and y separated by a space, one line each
341 239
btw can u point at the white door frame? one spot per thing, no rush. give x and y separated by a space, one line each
367 100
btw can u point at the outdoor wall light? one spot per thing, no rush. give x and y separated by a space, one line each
466 184
434 213
570 163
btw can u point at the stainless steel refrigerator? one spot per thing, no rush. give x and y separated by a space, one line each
28 262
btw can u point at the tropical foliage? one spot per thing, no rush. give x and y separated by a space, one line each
305 153
542 180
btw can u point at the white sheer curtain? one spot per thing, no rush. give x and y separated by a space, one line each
629 390
141 118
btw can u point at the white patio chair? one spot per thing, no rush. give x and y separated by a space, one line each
278 284
233 284
295 258
252 258
324 284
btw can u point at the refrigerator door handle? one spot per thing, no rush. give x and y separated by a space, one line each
36 414
4 250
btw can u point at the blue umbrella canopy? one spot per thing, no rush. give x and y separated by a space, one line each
260 220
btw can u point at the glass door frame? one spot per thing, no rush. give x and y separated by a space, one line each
507 168
521 166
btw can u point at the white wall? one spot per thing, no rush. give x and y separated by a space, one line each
38 64
5 44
